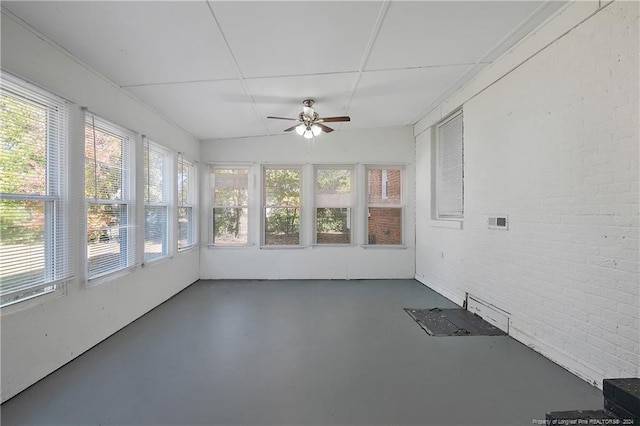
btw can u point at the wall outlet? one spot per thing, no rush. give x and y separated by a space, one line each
498 222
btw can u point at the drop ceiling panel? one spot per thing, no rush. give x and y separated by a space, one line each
283 96
202 108
135 42
416 34
178 56
392 98
301 37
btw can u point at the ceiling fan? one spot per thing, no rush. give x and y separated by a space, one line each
310 123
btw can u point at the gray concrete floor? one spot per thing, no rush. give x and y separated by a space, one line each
299 353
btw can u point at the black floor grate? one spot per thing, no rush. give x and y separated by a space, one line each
452 322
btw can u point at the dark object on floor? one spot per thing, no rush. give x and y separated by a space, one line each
621 402
622 398
452 322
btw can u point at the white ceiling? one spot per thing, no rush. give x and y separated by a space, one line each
217 69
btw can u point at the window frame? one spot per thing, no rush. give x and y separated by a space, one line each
352 205
299 206
189 203
213 206
57 271
128 197
399 205
437 170
166 202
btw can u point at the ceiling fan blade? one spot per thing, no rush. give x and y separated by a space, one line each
290 128
324 128
334 119
283 118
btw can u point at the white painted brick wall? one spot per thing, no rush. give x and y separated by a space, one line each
554 145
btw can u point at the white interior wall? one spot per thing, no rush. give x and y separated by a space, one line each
41 335
390 146
551 140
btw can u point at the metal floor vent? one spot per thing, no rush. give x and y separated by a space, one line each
452 322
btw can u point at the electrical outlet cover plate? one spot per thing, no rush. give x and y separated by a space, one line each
498 222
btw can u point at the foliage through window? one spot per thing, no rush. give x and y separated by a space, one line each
449 168
186 203
157 194
109 181
384 205
34 258
334 201
281 206
230 208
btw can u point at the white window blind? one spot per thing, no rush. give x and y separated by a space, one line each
230 205
157 171
186 203
449 178
334 201
109 190
34 246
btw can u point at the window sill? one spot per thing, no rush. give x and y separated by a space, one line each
384 246
334 245
156 261
188 249
109 276
229 246
443 223
274 247
37 300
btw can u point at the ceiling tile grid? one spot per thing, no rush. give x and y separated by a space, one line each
219 68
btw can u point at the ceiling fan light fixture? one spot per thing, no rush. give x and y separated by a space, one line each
308 133
310 124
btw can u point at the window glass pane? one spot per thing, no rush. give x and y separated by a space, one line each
282 187
282 226
155 232
157 175
230 198
333 187
108 175
108 238
22 245
230 187
333 226
155 163
230 225
23 129
184 177
185 225
385 186
186 188
33 223
385 225
103 164
449 179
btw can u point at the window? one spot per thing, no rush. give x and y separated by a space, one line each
384 205
157 195
281 206
449 168
230 209
334 202
186 204
33 219
109 181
